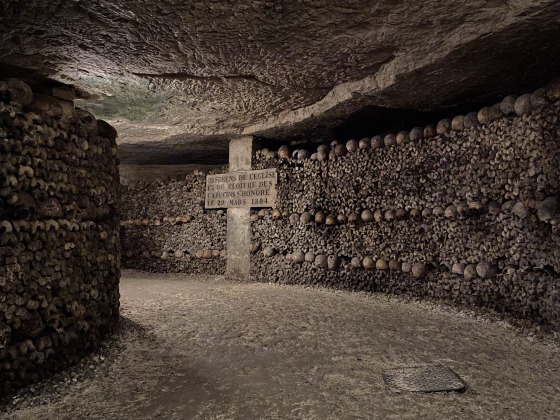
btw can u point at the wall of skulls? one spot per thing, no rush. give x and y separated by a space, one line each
165 227
59 242
465 210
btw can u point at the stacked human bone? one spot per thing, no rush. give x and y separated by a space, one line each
165 227
465 210
59 242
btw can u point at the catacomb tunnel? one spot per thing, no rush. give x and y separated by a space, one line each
291 209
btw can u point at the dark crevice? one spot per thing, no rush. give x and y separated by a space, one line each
177 150
373 120
368 122
37 81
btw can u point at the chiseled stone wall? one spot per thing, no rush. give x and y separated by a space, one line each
59 242
165 227
463 211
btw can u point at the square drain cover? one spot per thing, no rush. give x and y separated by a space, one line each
433 378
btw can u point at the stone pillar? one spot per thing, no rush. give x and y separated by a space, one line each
241 152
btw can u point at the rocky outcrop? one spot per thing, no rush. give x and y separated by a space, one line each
183 78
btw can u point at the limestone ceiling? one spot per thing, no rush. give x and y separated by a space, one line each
179 78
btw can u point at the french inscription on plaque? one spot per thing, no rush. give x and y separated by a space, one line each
241 189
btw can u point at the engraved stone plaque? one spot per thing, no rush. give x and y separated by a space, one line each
243 189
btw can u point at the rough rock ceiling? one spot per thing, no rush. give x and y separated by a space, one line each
179 78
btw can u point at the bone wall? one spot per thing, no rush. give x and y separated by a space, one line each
465 210
165 227
59 242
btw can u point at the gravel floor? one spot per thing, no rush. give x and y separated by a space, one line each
204 348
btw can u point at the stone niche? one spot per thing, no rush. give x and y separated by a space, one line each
465 210
59 242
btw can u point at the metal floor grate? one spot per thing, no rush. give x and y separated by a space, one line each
433 378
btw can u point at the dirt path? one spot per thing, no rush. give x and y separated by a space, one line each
203 348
